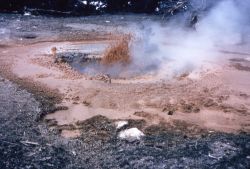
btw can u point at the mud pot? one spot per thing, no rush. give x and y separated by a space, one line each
78 105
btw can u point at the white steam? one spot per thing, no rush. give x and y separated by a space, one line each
4 35
170 50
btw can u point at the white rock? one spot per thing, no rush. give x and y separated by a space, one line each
120 124
131 134
27 14
85 2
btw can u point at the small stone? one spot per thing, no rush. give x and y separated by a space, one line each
120 124
86 103
170 113
131 134
196 110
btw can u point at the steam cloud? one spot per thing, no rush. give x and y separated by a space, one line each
4 35
172 49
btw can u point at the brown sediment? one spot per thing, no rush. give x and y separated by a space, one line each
3 46
151 118
31 86
47 97
70 133
48 61
199 103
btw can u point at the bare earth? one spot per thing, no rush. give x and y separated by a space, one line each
52 116
216 100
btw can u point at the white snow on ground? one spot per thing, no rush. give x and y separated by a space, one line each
248 59
120 124
131 134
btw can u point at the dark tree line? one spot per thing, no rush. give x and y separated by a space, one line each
87 7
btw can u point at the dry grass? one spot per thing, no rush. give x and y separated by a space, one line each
118 52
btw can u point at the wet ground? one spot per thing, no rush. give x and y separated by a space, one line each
26 143
54 117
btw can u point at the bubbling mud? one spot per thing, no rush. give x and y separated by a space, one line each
112 59
216 100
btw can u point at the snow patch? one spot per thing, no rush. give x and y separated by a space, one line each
131 134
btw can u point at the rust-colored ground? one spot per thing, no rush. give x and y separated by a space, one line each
216 100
